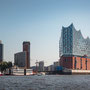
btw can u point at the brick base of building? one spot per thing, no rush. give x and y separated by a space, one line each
75 62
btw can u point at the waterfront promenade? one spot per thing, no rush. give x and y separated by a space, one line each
45 82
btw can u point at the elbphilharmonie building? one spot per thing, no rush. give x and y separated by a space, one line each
73 43
74 49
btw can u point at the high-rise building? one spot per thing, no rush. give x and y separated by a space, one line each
41 66
1 51
26 48
74 50
73 43
20 59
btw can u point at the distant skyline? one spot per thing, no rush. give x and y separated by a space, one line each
40 22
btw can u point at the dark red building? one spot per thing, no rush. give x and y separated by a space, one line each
26 48
75 62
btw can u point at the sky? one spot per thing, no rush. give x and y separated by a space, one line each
40 22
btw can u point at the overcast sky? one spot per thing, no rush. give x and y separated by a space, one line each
40 22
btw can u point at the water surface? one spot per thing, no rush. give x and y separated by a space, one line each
48 82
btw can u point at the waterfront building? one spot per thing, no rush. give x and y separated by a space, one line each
41 66
56 64
51 68
1 51
74 49
20 59
26 48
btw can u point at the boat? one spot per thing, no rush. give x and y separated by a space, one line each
0 74
40 74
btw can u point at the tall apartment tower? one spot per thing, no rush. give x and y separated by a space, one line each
1 51
26 48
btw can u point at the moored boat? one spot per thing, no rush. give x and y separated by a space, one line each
0 74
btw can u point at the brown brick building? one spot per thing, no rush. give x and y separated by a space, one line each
26 48
75 62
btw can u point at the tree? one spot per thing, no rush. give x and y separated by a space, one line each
4 65
9 64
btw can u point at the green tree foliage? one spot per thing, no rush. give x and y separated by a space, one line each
4 65
9 64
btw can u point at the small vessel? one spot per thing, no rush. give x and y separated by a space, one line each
40 74
0 74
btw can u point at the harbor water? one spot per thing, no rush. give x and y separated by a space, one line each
45 82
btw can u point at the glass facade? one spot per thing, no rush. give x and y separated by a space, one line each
72 42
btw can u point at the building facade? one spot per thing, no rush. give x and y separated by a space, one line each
75 62
41 66
74 50
73 43
26 48
1 51
20 59
56 64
